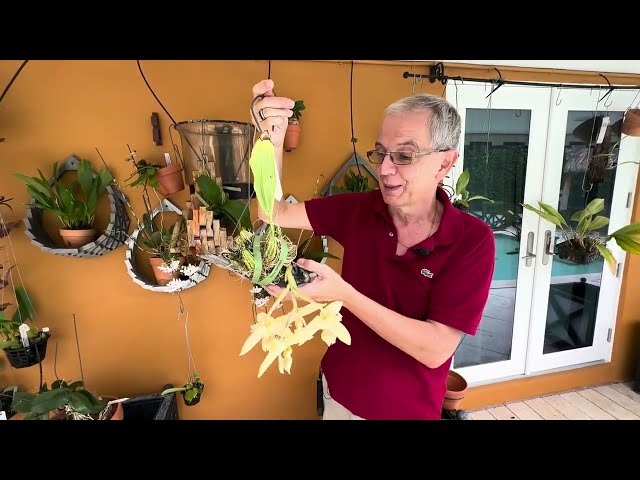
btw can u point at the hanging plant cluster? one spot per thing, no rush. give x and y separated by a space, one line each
266 256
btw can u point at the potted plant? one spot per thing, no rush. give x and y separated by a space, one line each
353 182
456 390
22 350
75 211
582 243
294 129
460 197
234 214
66 401
166 179
191 391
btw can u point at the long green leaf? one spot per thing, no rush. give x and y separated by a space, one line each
599 222
608 256
463 181
263 166
237 211
627 243
552 211
632 229
41 403
25 310
85 176
547 216
210 190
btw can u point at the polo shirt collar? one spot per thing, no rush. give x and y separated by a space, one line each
451 223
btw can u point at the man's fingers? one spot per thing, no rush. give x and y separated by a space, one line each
265 87
276 112
313 266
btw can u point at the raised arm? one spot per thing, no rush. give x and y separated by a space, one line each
276 112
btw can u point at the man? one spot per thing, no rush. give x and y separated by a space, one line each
416 271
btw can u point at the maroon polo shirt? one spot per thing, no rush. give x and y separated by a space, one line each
371 377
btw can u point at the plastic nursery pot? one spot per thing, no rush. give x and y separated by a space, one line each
23 357
456 389
196 399
170 180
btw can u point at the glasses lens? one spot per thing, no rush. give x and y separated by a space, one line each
376 156
401 158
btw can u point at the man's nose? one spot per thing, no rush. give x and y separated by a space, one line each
387 167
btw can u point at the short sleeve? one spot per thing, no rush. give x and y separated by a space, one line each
332 215
460 294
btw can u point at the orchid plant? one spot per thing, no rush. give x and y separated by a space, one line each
270 247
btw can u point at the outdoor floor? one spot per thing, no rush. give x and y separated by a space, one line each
615 401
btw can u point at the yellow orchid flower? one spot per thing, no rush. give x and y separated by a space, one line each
329 320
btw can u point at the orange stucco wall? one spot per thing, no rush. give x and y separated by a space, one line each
131 340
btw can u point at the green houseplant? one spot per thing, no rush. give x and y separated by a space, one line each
18 354
191 391
294 129
581 242
65 401
461 196
75 205
214 199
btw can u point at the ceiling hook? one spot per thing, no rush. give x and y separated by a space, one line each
499 82
558 101
609 92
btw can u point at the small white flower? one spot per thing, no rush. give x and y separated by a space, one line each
256 289
190 270
261 302
173 267
177 284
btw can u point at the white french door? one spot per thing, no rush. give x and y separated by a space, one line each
522 145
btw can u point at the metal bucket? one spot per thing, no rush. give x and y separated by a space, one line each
220 148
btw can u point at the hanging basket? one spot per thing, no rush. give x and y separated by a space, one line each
195 400
23 357
114 235
131 262
568 252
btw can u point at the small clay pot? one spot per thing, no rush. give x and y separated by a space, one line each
631 123
162 278
77 238
170 180
292 136
456 389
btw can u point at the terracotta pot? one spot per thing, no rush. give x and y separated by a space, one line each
456 389
77 238
631 123
292 137
163 278
170 179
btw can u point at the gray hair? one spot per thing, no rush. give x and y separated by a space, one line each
444 126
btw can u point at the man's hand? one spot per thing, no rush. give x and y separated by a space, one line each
327 286
275 110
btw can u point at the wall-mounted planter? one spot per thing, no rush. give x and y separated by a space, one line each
131 264
328 190
114 235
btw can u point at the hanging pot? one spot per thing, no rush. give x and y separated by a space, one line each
631 123
292 136
23 357
571 253
77 238
170 180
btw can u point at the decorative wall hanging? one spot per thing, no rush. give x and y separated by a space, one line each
114 235
357 183
179 277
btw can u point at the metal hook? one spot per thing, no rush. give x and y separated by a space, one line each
608 93
499 82
558 97
264 134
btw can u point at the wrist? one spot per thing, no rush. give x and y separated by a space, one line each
349 296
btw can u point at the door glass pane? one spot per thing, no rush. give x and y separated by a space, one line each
496 145
587 173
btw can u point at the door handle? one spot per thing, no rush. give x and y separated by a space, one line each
528 258
547 248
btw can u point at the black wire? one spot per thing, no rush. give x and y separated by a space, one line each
269 71
152 92
353 140
15 75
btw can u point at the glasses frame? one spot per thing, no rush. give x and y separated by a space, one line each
413 155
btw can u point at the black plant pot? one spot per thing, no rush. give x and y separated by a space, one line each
196 399
575 254
23 357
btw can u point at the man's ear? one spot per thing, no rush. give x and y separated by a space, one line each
449 159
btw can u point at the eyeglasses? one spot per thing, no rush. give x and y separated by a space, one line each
398 158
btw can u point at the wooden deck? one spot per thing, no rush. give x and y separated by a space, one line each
615 401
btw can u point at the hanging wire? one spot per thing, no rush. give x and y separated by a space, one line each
15 75
353 138
190 360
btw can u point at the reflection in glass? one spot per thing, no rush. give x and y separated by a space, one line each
496 146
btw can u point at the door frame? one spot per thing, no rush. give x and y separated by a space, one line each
473 95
